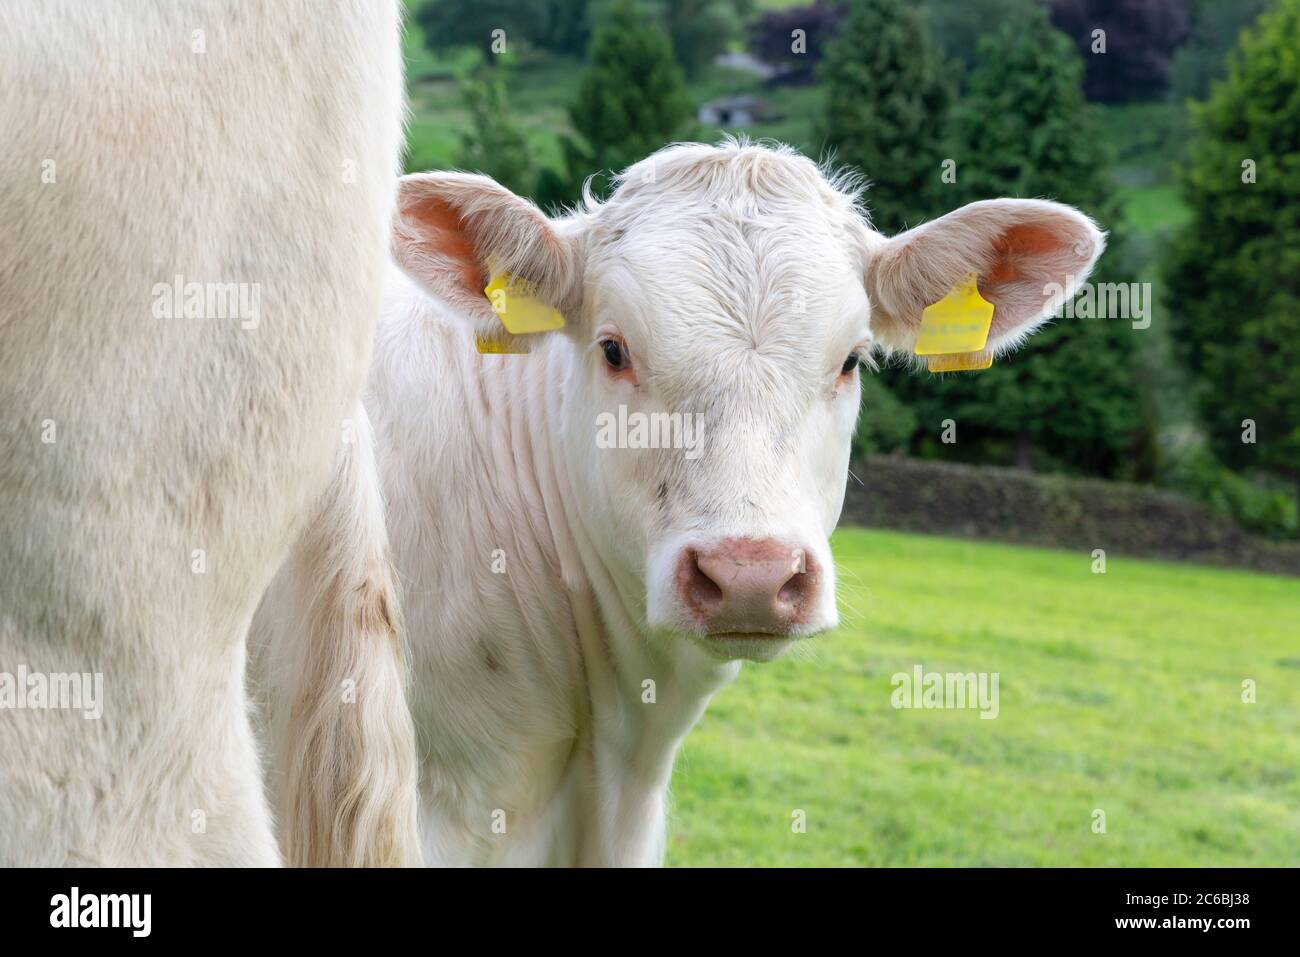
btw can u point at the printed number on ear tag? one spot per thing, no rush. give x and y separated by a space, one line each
959 362
514 300
959 322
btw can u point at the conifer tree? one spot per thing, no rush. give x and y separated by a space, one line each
1234 270
631 102
1069 398
887 97
494 144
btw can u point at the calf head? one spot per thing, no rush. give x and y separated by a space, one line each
724 302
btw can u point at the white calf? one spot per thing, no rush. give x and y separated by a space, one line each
573 600
160 451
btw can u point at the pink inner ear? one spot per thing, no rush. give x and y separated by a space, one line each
1026 258
1019 246
445 233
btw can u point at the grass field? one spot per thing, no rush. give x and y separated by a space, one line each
1119 691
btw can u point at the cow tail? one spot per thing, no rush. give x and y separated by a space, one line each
348 795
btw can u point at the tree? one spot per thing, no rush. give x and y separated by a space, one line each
885 425
494 144
567 30
1140 38
887 97
632 99
1202 60
1069 398
558 26
773 37
479 23
699 29
1235 268
957 27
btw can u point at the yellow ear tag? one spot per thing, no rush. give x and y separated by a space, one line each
496 347
514 300
955 330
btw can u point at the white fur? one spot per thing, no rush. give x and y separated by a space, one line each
739 278
267 157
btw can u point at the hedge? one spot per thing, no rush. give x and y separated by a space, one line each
1057 511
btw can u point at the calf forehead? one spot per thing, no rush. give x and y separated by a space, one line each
725 277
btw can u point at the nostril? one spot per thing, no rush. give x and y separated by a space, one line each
795 592
700 592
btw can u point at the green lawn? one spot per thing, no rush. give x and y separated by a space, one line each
1146 142
1154 207
1120 691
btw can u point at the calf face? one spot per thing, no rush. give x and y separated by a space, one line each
724 303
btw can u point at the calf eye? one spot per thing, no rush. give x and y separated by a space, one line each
615 355
850 364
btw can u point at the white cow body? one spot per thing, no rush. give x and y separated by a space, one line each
571 608
527 679
155 471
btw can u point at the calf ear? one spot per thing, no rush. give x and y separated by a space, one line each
453 232
1030 255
